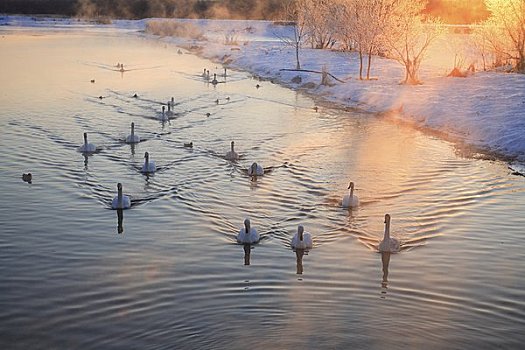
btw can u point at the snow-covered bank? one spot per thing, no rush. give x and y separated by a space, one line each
485 110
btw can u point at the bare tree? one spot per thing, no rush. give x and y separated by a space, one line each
319 19
408 35
507 23
295 12
362 26
355 28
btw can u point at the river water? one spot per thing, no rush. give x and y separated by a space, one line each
169 273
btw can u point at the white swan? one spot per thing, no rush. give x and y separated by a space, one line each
256 170
350 200
132 138
120 201
169 113
87 147
302 240
215 81
149 165
163 116
388 244
247 234
232 155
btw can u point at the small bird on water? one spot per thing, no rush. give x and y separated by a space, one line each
27 177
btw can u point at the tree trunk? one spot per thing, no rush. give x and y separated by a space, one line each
521 63
298 65
369 64
360 64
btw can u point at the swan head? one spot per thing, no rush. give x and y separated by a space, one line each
132 126
247 225
387 219
119 187
254 168
351 186
300 232
146 156
232 144
163 109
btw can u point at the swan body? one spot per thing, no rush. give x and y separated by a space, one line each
163 116
149 165
87 147
169 113
302 240
132 138
248 234
120 201
388 244
350 200
256 170
214 81
232 155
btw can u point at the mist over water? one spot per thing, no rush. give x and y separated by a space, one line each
168 272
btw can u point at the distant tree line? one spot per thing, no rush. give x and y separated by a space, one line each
468 11
136 9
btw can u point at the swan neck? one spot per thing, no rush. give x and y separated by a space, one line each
351 191
387 230
132 130
301 236
85 139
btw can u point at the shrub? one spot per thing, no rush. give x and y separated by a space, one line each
173 28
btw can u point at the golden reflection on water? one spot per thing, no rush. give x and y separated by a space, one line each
135 278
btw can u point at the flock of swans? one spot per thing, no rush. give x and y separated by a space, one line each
247 234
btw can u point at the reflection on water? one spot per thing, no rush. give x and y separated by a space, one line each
120 221
299 253
385 260
247 253
173 280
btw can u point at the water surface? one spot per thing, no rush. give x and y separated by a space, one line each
171 275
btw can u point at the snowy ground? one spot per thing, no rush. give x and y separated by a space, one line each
485 111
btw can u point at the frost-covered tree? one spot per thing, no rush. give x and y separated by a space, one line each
408 35
354 21
363 26
507 34
319 19
295 12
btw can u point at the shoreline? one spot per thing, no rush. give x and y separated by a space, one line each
482 115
